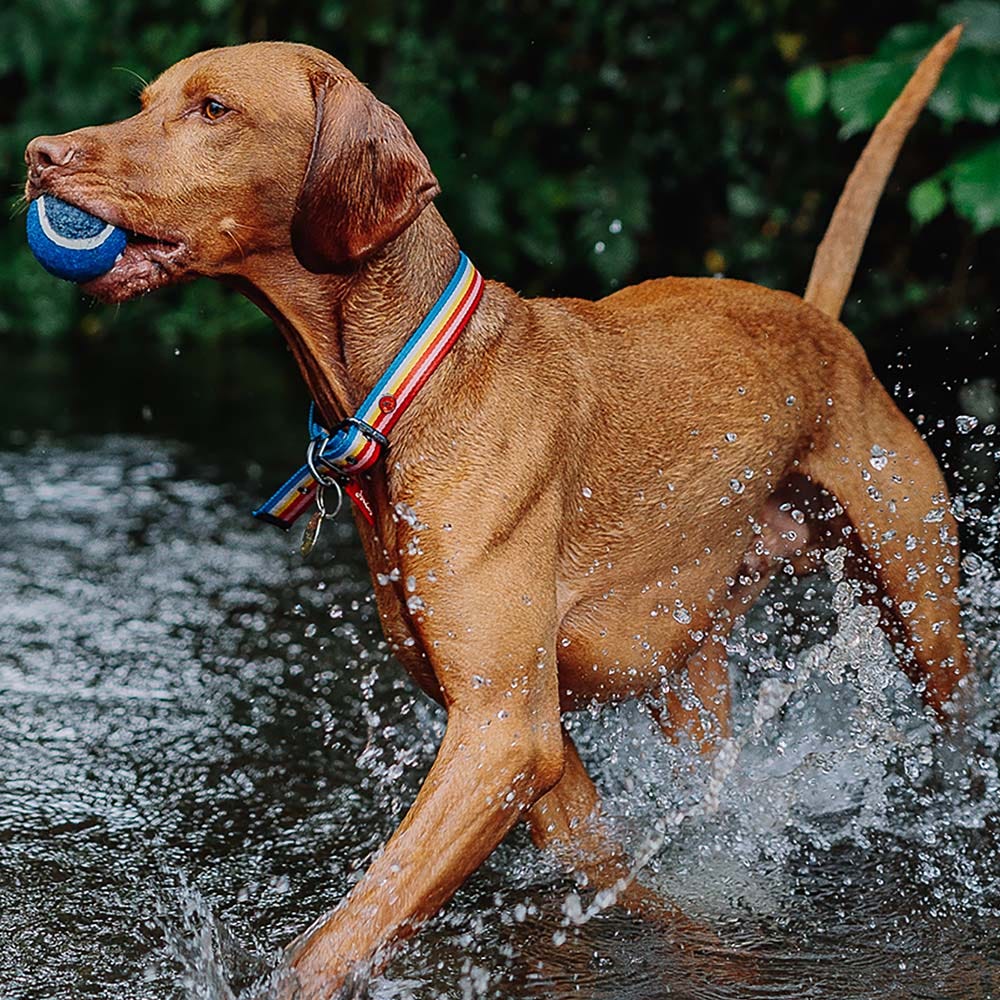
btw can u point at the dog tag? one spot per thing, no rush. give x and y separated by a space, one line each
315 525
311 534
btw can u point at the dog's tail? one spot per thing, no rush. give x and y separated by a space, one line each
837 257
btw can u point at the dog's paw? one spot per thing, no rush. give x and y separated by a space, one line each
293 983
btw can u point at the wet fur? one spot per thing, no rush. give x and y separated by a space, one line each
584 498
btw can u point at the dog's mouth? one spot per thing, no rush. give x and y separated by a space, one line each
149 260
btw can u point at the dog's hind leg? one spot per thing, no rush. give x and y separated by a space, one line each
696 701
567 821
902 537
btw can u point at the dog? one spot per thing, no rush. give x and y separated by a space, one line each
584 496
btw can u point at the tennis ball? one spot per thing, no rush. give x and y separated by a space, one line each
71 243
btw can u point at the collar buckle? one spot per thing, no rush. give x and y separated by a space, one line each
373 435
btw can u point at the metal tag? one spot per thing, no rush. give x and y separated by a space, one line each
311 534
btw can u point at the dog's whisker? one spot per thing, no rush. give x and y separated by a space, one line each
132 72
230 234
19 206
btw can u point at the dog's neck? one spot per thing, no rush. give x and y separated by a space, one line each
345 329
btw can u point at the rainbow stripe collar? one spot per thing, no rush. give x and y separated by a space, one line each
358 442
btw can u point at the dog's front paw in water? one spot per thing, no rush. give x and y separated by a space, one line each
298 982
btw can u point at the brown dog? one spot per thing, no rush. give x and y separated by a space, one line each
583 498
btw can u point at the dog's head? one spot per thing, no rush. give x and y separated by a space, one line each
236 153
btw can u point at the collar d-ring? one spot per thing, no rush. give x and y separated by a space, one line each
324 481
314 448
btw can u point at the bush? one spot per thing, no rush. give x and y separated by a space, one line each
581 144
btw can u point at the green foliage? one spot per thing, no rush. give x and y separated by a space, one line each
861 92
580 144
975 186
971 181
807 91
927 200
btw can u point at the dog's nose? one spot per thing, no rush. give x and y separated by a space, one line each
47 152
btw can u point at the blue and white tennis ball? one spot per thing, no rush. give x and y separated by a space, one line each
71 243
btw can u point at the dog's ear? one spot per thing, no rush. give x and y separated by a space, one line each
365 182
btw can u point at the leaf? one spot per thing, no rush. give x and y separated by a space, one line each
969 88
806 91
927 200
907 39
744 201
982 22
861 94
789 44
975 186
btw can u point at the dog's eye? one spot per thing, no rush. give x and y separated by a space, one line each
212 109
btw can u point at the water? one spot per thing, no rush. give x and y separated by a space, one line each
203 740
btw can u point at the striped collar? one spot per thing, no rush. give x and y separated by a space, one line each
356 444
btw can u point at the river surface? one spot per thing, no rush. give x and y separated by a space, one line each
203 740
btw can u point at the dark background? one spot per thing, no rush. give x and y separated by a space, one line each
580 144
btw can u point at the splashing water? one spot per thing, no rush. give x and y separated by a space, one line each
204 741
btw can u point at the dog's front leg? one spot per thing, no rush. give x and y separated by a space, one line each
489 631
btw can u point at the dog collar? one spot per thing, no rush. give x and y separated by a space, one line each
356 444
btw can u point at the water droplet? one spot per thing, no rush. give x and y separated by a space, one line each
616 226
790 401
587 492
599 246
879 459
682 615
573 907
404 512
966 423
